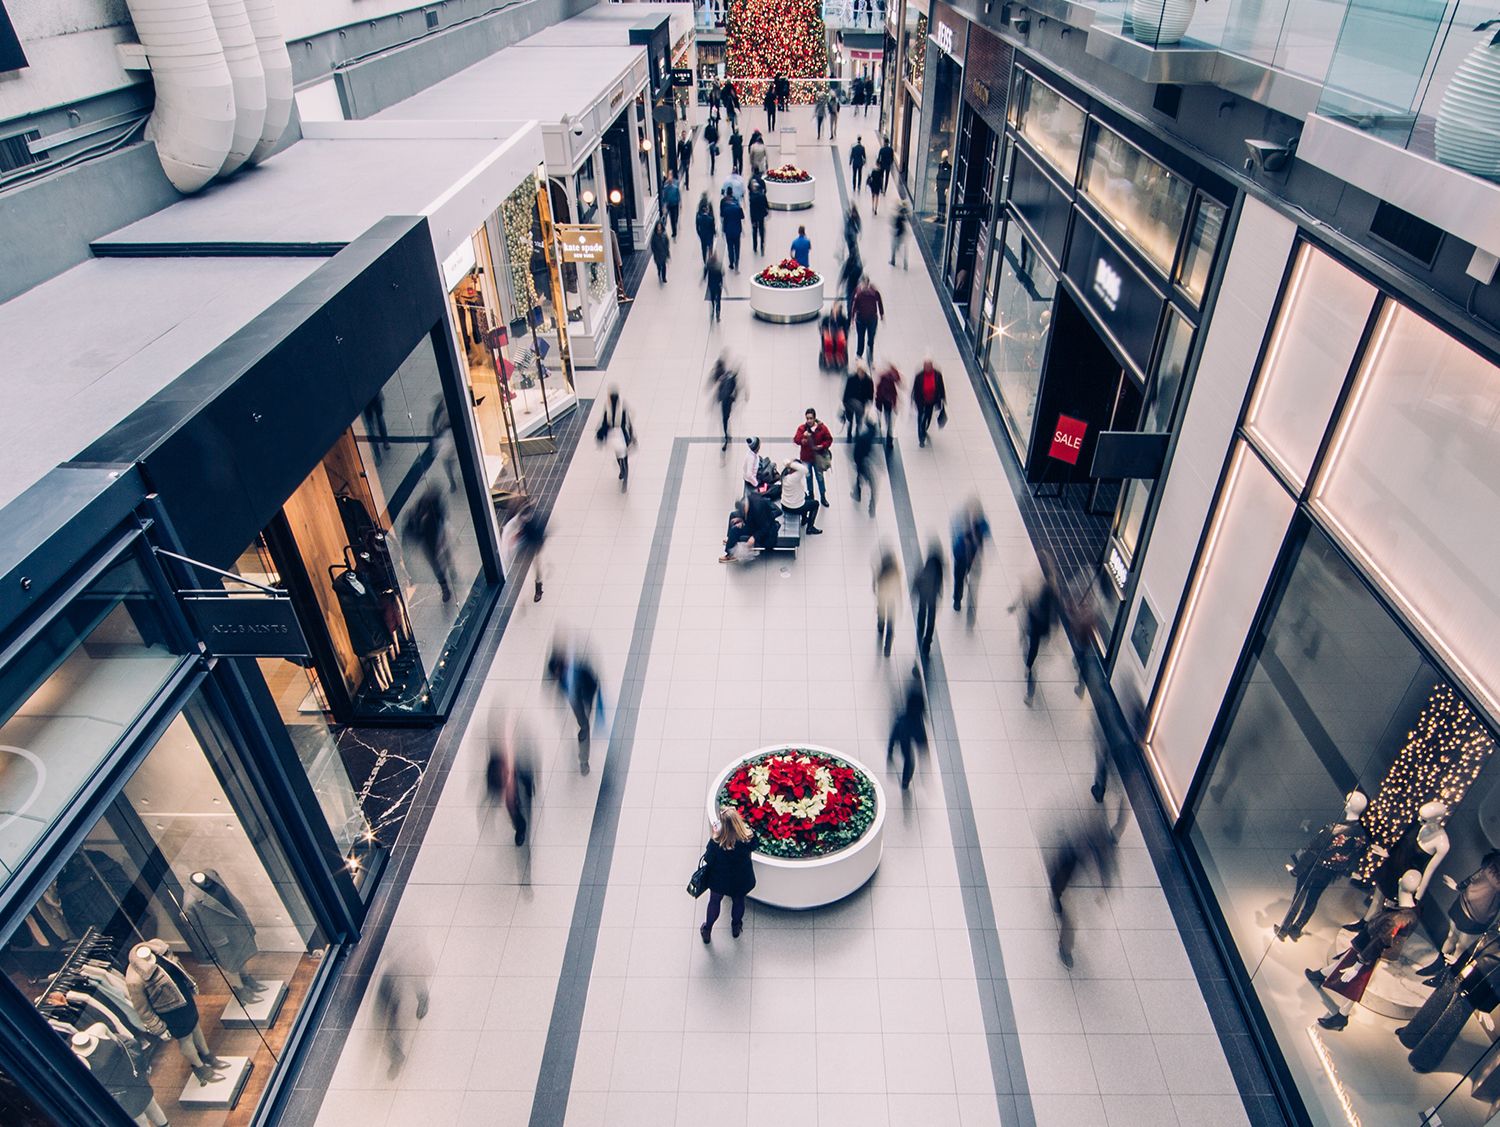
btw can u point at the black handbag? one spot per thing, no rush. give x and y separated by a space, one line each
697 884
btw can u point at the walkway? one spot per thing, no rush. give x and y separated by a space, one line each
934 996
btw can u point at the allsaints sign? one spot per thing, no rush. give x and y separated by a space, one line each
246 624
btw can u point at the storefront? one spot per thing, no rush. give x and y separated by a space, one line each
891 65
1325 717
907 124
1089 310
931 182
189 612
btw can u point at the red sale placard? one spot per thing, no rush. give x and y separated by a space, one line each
1067 439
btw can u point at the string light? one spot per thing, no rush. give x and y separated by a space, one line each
1442 756
765 38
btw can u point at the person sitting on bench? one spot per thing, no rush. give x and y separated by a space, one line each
752 523
796 498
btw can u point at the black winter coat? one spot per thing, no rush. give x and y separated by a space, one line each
707 228
730 872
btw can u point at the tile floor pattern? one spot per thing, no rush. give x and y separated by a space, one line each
865 1013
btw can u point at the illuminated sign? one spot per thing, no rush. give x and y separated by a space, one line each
943 37
1107 284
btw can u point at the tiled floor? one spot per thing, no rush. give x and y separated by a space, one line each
579 993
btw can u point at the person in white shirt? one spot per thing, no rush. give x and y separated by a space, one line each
795 500
751 472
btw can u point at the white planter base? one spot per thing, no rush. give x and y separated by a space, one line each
812 882
786 306
796 196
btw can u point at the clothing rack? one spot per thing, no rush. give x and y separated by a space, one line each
67 975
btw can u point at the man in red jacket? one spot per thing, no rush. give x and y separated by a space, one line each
868 310
813 440
928 395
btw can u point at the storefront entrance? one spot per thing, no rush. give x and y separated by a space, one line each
973 176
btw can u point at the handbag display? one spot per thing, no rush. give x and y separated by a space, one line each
697 884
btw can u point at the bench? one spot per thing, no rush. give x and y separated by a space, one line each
788 533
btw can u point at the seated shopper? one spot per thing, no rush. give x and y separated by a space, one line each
796 498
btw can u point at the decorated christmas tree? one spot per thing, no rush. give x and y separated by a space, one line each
770 37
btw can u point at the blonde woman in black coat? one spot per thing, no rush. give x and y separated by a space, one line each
729 870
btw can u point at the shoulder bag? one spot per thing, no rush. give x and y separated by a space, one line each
697 884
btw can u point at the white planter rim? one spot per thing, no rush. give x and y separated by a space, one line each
786 305
791 195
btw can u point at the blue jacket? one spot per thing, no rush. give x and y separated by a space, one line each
732 218
802 250
671 194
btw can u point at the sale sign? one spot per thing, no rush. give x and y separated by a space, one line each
1067 439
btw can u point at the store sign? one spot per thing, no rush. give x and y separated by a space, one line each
617 96
1120 298
682 77
980 91
457 264
1067 439
581 242
1107 284
246 625
1119 570
942 35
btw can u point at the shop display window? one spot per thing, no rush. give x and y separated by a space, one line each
1409 484
589 287
387 541
1018 333
174 949
932 203
70 694
915 48
1052 124
1338 701
1203 240
1317 333
1145 201
484 341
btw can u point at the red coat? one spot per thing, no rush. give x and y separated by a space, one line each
888 387
812 442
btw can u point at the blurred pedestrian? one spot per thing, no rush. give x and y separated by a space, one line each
705 225
857 161
661 250
578 684
869 310
760 160
726 389
853 224
671 198
713 282
849 277
729 873
769 102
833 115
522 539
820 111
814 442
887 600
732 219
900 232
444 445
711 138
862 450
875 181
909 729
685 160
859 391
1039 613
887 393
510 774
802 248
729 98
929 396
928 588
971 530
426 522
398 987
1084 840
760 207
1080 620
617 432
783 93
736 151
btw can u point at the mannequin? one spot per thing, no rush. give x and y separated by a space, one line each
220 920
365 620
1473 984
162 993
112 1064
1421 848
1476 907
1334 851
1381 938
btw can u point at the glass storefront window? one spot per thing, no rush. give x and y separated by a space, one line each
1170 366
485 345
914 47
1144 200
70 695
1203 240
17 1109
1018 334
932 203
175 948
1337 696
1052 124
590 286
1409 483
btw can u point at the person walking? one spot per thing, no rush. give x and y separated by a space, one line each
426 524
736 150
928 589
729 872
732 219
760 207
868 309
857 160
707 228
885 159
909 729
578 684
783 92
1040 613
713 278
820 112
970 531
760 160
833 116
1086 839
711 138
685 160
853 224
523 537
661 250
888 588
510 774
729 98
859 390
900 229
725 388
875 182
671 198
928 395
862 450
770 103
796 497
713 101
849 277
397 980
802 248
887 393
618 433
814 442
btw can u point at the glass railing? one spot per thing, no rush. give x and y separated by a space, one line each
1418 74
1297 36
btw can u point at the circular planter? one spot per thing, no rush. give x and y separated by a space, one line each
799 883
784 305
1160 23
795 195
1467 135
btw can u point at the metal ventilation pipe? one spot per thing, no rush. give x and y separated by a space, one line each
277 65
193 123
242 55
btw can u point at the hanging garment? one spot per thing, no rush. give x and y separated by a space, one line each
1406 854
109 986
92 1010
220 921
114 1067
362 614
356 517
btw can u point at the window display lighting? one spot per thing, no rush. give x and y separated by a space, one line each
1442 757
